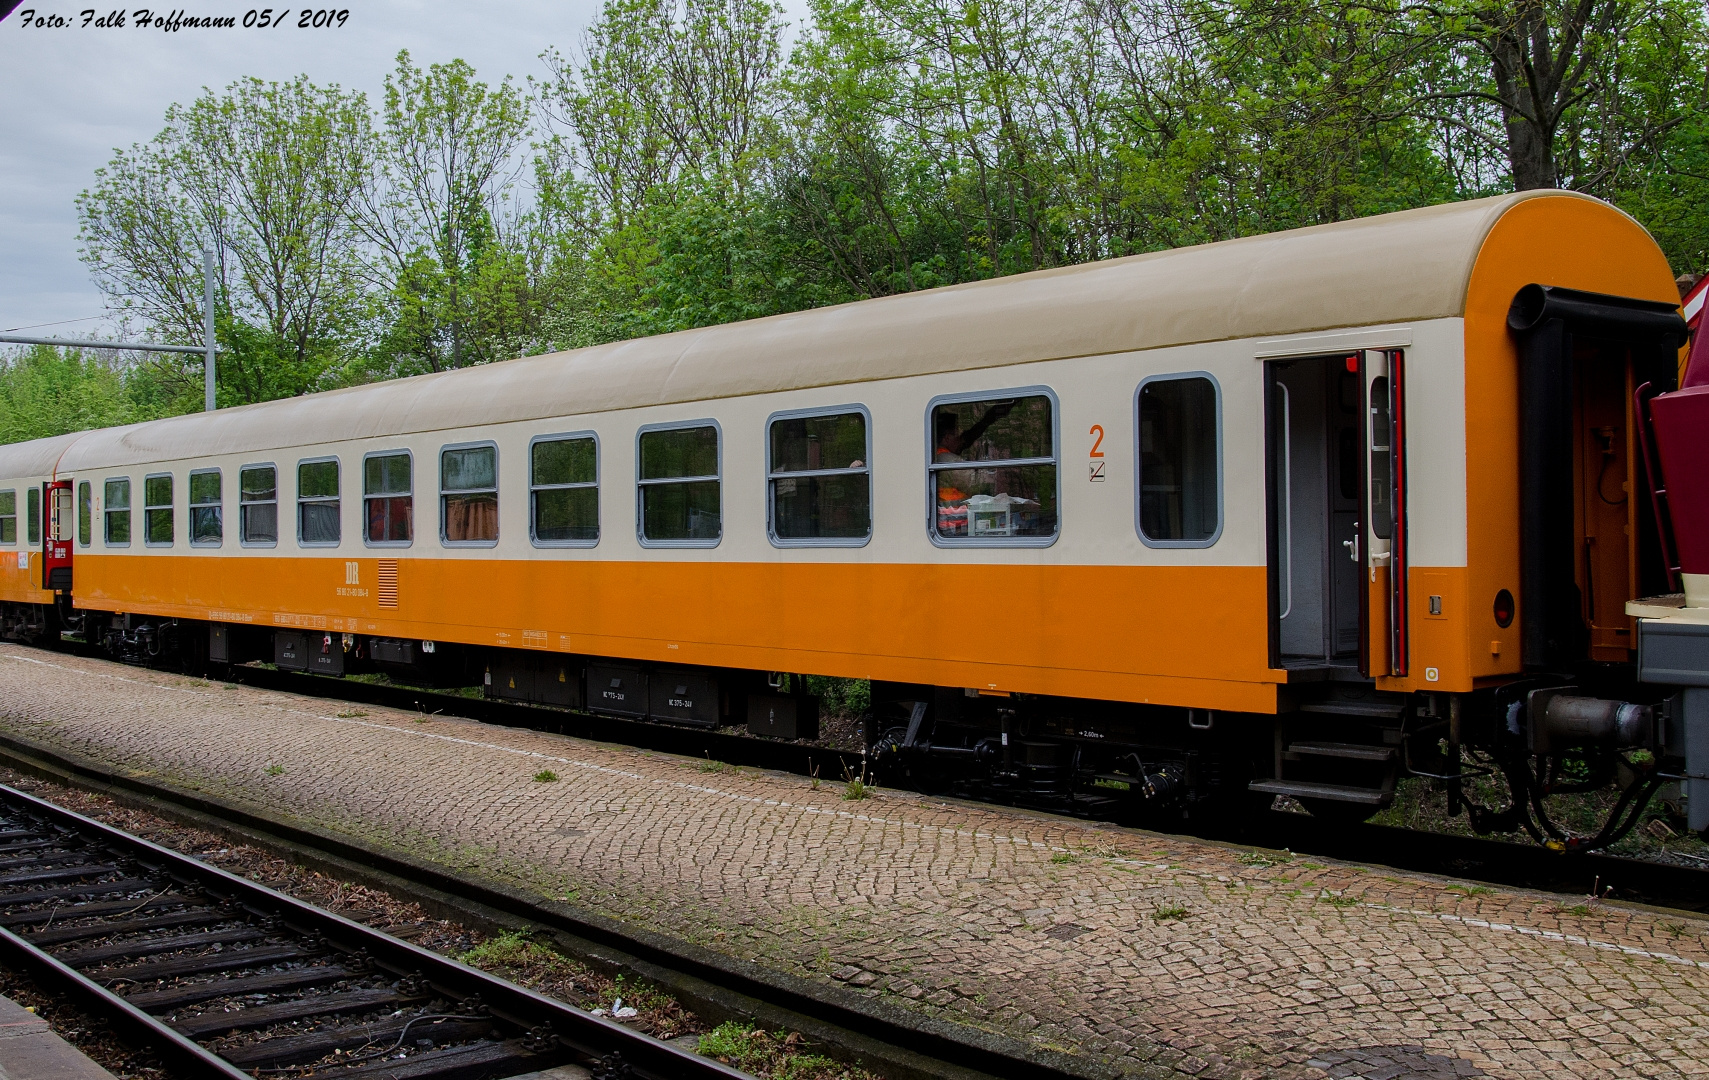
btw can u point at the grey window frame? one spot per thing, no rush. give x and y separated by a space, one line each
641 485
242 540
1139 464
192 507
33 514
107 511
170 508
440 474
297 505
933 468
772 476
14 515
598 508
362 483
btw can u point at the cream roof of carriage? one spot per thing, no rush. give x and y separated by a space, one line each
1411 265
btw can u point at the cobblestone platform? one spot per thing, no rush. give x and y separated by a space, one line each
1150 952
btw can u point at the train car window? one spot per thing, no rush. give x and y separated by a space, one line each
116 508
680 491
1179 467
157 510
388 505
1382 508
8 517
258 504
207 524
318 503
563 490
468 494
85 513
992 472
34 515
820 478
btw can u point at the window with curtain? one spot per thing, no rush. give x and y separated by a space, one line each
34 514
388 502
468 494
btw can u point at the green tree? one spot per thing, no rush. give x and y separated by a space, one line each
46 391
446 238
266 174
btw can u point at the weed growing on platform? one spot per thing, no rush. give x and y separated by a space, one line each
1265 859
857 789
716 766
1065 857
545 776
349 714
772 1056
1339 901
1169 913
275 770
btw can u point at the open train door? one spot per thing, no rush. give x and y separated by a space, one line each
1337 521
56 539
1382 510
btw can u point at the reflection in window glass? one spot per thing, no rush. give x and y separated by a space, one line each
388 504
157 510
993 469
680 496
206 524
85 511
563 481
258 504
116 505
317 502
35 515
1178 482
8 517
820 480
468 484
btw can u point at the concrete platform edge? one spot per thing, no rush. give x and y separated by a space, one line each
918 1047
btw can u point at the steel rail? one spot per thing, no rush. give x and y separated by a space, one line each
556 1032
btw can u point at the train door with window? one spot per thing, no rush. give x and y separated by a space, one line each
57 537
1335 536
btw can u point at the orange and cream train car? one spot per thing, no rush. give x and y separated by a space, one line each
1281 515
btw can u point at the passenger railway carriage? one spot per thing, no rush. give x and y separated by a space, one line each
1287 514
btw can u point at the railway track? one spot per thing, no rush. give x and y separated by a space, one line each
1497 862
227 978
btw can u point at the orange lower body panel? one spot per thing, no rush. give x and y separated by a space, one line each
1186 636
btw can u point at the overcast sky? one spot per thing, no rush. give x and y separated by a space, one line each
69 96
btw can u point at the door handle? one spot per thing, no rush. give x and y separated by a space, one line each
1352 547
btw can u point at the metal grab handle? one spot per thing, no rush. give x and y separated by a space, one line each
1287 500
1352 545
